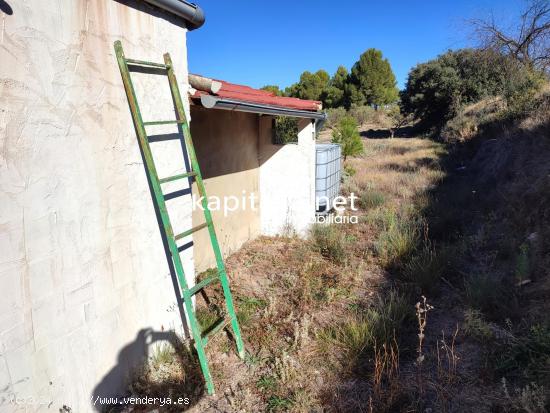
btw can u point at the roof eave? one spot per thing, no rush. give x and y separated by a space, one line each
215 102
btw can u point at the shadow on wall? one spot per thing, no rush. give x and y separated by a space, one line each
160 366
6 8
167 252
227 142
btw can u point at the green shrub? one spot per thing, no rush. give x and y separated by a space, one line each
347 135
437 90
279 404
349 170
468 122
350 339
388 315
330 242
285 130
521 87
206 317
163 354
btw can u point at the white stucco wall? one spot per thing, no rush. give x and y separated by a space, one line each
287 180
82 266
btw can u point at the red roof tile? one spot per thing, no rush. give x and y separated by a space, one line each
251 95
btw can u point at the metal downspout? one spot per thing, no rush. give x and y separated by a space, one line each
191 12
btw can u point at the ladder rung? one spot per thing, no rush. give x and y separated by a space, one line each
175 177
203 283
220 325
190 231
145 63
162 122
175 194
162 137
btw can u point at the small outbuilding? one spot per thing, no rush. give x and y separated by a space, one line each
269 186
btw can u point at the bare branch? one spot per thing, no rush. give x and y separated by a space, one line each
529 43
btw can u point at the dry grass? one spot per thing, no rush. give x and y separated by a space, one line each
328 322
398 168
317 312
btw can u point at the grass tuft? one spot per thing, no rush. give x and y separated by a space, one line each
397 241
371 198
425 268
330 242
357 337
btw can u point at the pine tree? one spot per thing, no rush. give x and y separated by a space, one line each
372 80
347 135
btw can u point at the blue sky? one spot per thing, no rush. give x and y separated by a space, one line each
257 42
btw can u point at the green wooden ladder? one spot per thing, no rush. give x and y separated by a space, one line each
200 339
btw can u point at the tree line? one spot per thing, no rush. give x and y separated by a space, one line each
512 64
370 82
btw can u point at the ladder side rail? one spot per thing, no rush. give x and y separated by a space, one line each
207 214
159 199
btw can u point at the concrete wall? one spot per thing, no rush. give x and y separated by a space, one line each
227 149
287 180
83 273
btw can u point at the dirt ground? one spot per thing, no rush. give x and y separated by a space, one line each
368 317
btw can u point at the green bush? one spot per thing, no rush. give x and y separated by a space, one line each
468 122
347 135
388 315
521 87
349 170
436 90
286 130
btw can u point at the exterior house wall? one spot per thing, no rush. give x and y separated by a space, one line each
287 180
83 274
227 150
237 158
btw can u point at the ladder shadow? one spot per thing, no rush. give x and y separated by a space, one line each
162 372
167 253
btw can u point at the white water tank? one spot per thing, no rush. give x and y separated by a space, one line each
327 174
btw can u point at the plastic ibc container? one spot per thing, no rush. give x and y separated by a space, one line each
327 174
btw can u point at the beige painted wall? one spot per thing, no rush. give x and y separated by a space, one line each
237 156
227 149
83 274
